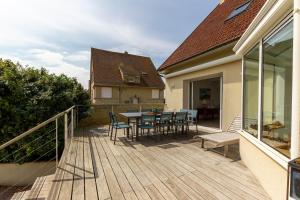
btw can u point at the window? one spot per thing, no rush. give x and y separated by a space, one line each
106 92
250 97
155 94
275 67
239 10
277 89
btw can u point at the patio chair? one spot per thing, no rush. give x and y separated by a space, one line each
164 121
147 123
117 125
180 120
110 125
223 139
191 118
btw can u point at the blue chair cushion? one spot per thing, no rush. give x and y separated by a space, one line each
146 126
121 126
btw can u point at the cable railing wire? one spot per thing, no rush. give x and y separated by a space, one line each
70 118
27 144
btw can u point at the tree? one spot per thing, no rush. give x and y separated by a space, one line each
28 97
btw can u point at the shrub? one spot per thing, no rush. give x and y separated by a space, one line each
28 97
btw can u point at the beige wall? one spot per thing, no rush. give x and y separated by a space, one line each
122 95
24 174
176 92
269 173
99 115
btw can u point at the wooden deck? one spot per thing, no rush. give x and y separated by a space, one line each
94 168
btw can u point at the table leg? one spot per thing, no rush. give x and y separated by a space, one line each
137 129
128 122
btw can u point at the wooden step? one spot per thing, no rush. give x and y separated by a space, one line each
35 189
25 195
44 192
17 195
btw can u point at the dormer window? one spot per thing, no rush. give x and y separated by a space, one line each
129 74
239 10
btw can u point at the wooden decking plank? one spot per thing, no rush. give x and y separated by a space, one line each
154 193
37 186
177 164
122 180
69 170
233 181
79 183
57 180
144 180
154 170
89 175
130 196
204 183
18 195
228 169
212 171
138 158
46 187
132 179
113 185
234 168
25 195
176 189
102 186
173 181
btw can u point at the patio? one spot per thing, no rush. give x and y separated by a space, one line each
178 168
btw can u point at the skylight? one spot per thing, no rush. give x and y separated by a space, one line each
239 10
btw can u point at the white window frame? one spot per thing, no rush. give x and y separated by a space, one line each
155 93
268 150
106 92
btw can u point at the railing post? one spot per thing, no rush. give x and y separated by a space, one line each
66 129
56 140
72 122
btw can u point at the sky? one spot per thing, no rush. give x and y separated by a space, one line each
58 34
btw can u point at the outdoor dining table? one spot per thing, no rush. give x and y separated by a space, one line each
133 115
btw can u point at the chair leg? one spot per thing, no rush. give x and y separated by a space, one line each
202 143
131 134
108 129
111 132
197 126
115 136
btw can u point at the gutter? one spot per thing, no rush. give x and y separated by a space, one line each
207 65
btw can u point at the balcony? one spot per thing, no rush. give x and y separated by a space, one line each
93 168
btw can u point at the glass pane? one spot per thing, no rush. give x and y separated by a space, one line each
239 10
277 90
251 75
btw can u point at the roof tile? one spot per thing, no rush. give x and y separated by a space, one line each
215 30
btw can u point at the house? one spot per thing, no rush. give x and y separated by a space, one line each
271 100
204 73
122 81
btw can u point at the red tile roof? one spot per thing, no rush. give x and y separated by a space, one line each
106 69
216 30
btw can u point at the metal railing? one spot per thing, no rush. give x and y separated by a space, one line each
46 143
69 126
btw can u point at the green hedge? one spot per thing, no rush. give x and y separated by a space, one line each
28 97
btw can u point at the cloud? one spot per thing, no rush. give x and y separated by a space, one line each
54 62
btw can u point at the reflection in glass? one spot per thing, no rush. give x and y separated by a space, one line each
251 75
277 89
